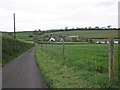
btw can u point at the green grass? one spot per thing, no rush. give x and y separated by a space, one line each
25 35
85 65
12 48
55 74
89 33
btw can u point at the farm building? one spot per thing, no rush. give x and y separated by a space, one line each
116 42
52 39
106 42
73 38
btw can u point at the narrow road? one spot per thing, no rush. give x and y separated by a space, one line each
22 73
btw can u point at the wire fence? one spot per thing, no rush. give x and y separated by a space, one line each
92 62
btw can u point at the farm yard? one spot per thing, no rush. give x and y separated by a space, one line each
77 64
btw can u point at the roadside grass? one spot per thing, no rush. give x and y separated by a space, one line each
55 73
87 62
12 48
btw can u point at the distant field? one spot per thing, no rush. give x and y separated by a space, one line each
12 48
102 34
89 33
25 35
85 65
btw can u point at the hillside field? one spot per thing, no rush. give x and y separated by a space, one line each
97 34
89 33
25 35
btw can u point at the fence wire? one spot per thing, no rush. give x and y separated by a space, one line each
89 61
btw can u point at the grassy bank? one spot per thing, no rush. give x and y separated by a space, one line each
12 48
85 66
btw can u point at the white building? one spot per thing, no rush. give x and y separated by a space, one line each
52 39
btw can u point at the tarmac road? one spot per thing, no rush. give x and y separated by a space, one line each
22 72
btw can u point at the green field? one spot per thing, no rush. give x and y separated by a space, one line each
89 33
26 35
85 65
12 48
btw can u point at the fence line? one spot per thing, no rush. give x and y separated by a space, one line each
109 48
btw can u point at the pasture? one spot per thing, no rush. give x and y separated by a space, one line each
88 33
26 35
85 65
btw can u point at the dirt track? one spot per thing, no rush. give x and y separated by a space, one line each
22 73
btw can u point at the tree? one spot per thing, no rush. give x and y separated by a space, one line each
66 28
73 28
109 26
39 30
96 27
89 27
77 28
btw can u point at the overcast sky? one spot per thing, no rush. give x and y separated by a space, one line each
55 14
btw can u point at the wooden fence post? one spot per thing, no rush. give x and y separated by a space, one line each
111 59
52 50
63 49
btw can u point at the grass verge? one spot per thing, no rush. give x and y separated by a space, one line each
57 74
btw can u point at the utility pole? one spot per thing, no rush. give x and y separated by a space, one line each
14 26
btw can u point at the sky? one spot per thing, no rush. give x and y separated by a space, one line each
57 14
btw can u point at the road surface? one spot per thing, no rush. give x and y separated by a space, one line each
22 73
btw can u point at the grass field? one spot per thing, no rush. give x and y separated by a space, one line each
89 33
85 65
12 48
26 35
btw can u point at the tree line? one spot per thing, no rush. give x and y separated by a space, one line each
40 32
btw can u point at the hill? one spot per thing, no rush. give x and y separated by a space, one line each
88 33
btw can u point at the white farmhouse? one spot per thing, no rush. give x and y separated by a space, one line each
52 39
